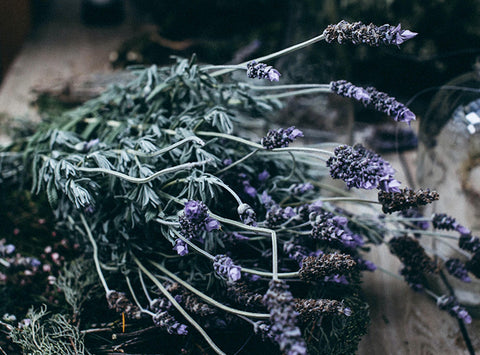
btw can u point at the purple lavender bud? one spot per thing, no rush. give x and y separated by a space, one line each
283 317
247 214
458 269
300 189
362 168
371 34
315 206
338 279
181 247
211 224
443 221
264 175
34 262
262 71
195 210
469 243
227 162
90 144
450 304
266 199
371 97
249 189
224 266
280 138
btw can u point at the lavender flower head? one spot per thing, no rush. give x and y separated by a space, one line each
371 34
450 304
443 221
224 266
181 247
371 97
458 269
280 138
196 218
247 214
362 168
262 71
283 317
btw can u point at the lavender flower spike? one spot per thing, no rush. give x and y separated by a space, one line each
372 35
262 71
280 138
224 266
362 168
371 97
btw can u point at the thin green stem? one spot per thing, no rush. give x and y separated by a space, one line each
423 232
290 49
95 253
174 302
295 93
249 155
206 298
136 180
230 137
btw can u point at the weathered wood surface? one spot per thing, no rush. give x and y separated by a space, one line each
403 322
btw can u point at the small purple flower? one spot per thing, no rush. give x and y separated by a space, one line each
9 249
227 162
371 97
263 176
195 210
280 138
300 189
450 304
362 168
181 247
249 189
469 243
262 71
224 266
458 269
195 218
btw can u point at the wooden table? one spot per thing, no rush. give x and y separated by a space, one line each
403 322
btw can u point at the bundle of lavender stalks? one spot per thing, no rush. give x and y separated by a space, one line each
216 238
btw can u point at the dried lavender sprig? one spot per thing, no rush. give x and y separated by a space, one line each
262 71
362 168
469 243
458 269
443 221
372 35
280 304
371 97
203 296
316 268
178 307
406 198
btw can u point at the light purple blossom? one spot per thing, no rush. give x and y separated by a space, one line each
181 247
224 266
264 175
362 168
